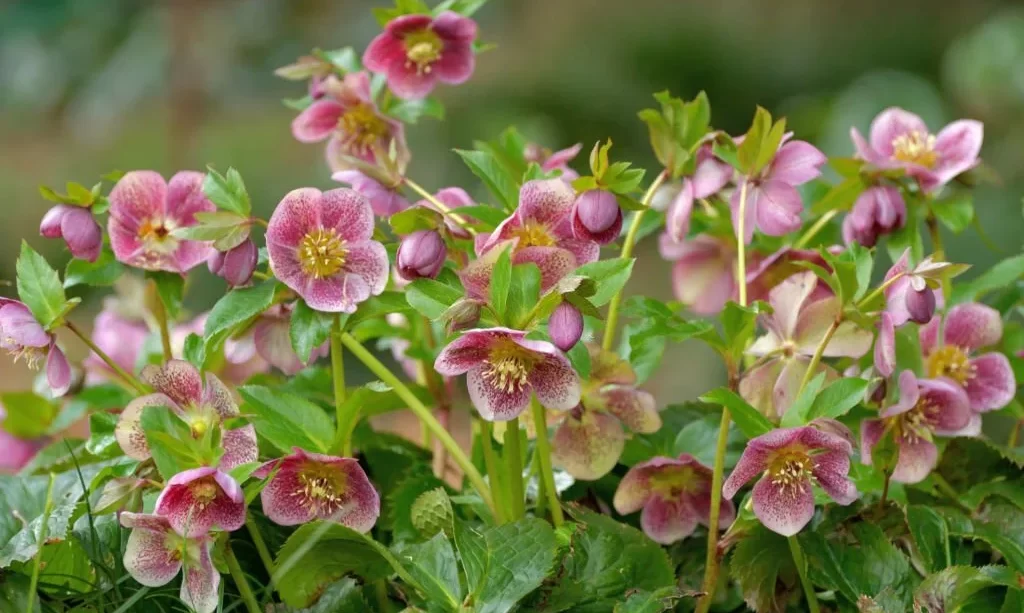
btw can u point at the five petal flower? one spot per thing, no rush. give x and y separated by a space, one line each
196 500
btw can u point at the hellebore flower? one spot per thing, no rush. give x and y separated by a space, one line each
885 346
504 369
180 388
196 500
988 378
272 340
155 554
320 245
596 216
145 210
675 495
773 204
235 265
878 211
78 228
17 452
926 407
452 198
900 139
348 117
704 275
550 161
708 179
120 337
789 461
385 201
907 295
565 326
417 51
795 329
421 255
305 486
23 337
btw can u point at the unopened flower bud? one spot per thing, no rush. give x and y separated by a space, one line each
920 304
432 513
421 255
465 313
235 265
565 326
878 211
596 216
77 227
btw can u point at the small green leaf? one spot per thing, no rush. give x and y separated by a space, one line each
195 350
496 177
431 298
955 212
750 422
414 219
482 212
838 398
170 287
797 413
227 191
28 416
288 421
1001 275
238 306
501 280
375 307
524 293
840 197
609 276
103 272
170 441
308 329
39 287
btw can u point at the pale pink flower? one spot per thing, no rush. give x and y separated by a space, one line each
24 337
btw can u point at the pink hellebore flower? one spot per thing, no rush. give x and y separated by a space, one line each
349 118
795 329
385 201
305 486
565 326
200 499
704 275
900 139
878 211
504 369
272 340
550 161
417 51
78 228
23 337
773 204
155 554
421 255
988 378
675 495
926 407
709 178
320 245
145 210
179 387
907 295
790 461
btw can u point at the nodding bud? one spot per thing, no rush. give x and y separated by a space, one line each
878 211
465 313
565 326
235 265
920 304
77 227
596 216
421 255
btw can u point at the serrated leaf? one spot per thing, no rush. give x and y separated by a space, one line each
748 419
931 536
948 589
435 567
762 565
103 272
838 398
609 277
227 191
431 298
238 306
39 287
344 596
502 185
287 420
308 329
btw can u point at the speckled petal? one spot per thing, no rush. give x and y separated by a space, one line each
317 121
295 216
831 469
240 447
138 196
338 294
279 495
969 326
146 556
871 431
469 350
916 459
128 430
545 200
992 385
635 408
495 404
785 511
950 403
368 260
217 395
667 522
554 263
555 383
588 447
634 489
189 517
199 588
177 379
348 213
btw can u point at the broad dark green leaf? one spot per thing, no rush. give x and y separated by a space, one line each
762 565
931 536
238 306
286 420
435 567
1001 275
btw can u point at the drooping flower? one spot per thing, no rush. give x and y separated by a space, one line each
320 245
417 51
421 255
145 210
504 368
451 198
385 201
596 216
675 495
155 554
565 326
305 486
23 337
878 211
797 326
348 118
704 274
789 461
900 139
77 226
550 161
235 265
987 378
773 204
200 499
179 387
907 295
708 179
926 408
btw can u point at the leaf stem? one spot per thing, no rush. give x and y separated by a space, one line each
547 475
818 353
43 533
801 568
239 577
813 230
493 474
514 469
939 254
261 547
423 413
442 207
160 312
345 421
627 251
741 246
128 378
866 300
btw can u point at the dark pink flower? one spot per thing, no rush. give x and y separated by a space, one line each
155 554
305 486
235 265
878 211
452 198
675 495
417 51
145 210
385 201
596 216
565 326
200 499
704 275
900 139
23 337
550 161
421 255
321 245
926 407
907 295
504 369
78 228
179 387
789 461
988 378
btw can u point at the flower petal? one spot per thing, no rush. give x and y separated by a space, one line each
885 346
777 207
831 469
193 518
992 384
273 343
468 351
796 163
555 383
754 460
545 200
892 123
554 263
240 447
317 121
710 177
958 146
787 300
347 212
588 447
667 522
704 276
758 384
296 215
635 488
749 209
786 388
848 340
177 379
58 370
341 293
368 260
677 219
916 459
633 407
146 557
200 586
456 63
410 84
19 328
279 496
128 431
493 403
783 510
971 326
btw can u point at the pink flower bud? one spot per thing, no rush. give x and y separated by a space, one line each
421 255
235 265
878 211
596 216
565 326
920 304
77 227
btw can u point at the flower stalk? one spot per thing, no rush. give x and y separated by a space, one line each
442 207
514 469
345 421
801 569
251 604
547 475
122 373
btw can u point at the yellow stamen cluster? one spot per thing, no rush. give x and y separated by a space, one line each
204 491
915 147
321 486
671 482
32 355
422 49
916 424
533 234
507 366
791 471
156 234
361 127
321 253
950 361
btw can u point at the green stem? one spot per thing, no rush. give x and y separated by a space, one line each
547 475
885 488
160 312
947 490
261 547
741 246
1011 442
816 358
346 420
423 413
514 469
801 568
244 590
939 253
128 378
442 207
33 584
627 251
813 230
493 474
866 300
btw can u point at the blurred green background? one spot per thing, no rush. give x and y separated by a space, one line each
89 86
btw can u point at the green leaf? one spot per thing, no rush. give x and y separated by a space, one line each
496 177
287 421
907 237
643 601
170 442
101 434
343 596
908 350
376 307
238 306
762 565
931 536
838 398
227 191
579 357
1000 529
749 151
308 329
435 567
796 414
840 197
170 287
950 588
482 212
700 437
39 287
195 350
873 563
955 212
1003 274
225 229
103 272
28 415
609 276
524 293
410 111
501 280
739 324
750 422
505 563
431 298
414 219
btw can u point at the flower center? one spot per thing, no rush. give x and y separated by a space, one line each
156 234
673 481
361 127
916 424
422 48
950 361
321 486
31 355
508 366
791 471
915 147
321 253
204 491
533 234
